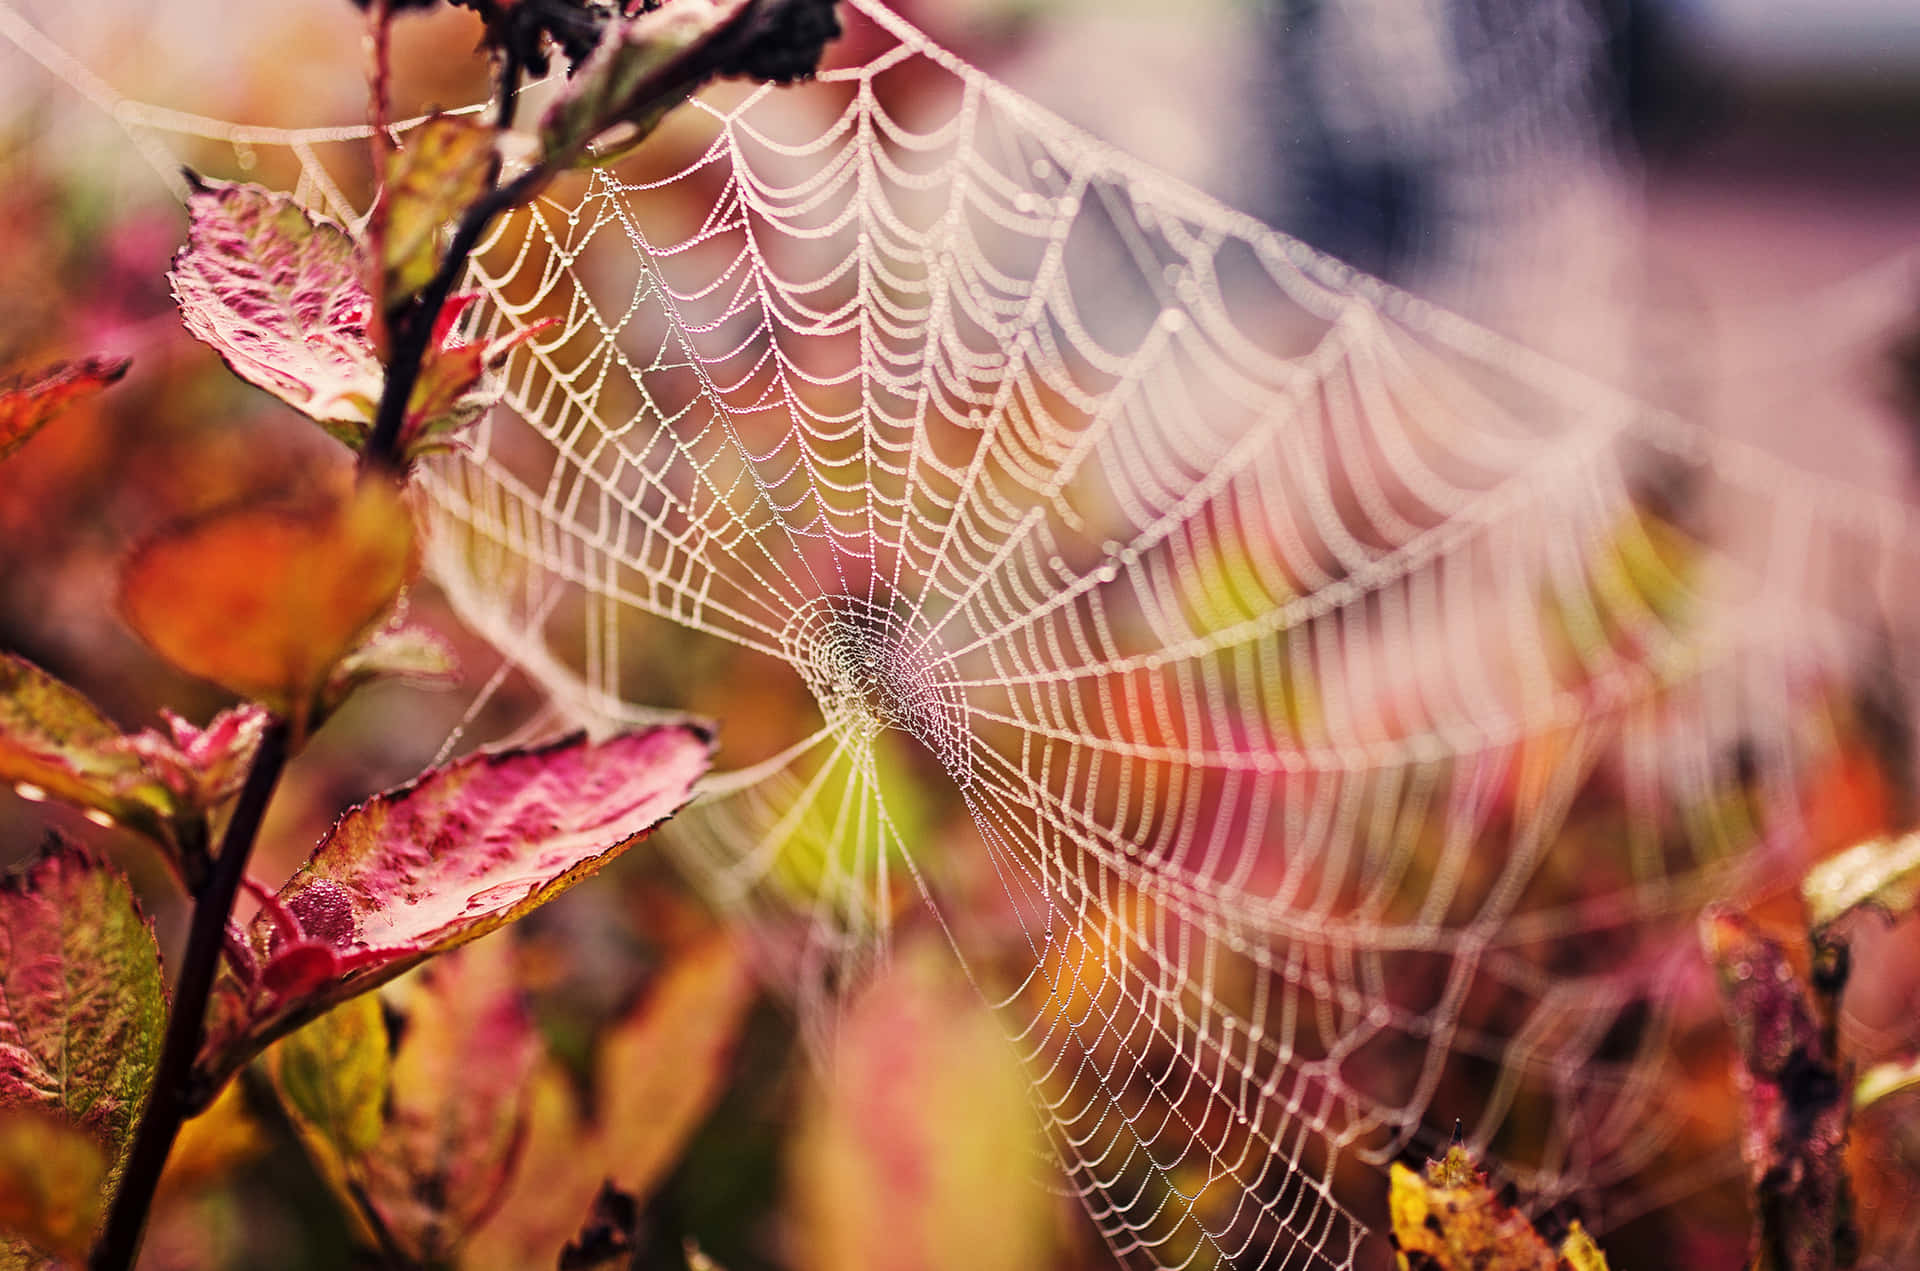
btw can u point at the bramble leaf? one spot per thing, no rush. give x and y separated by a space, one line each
265 599
282 298
445 167
54 743
201 767
1882 874
82 1007
1450 1220
412 655
52 1186
29 401
656 1076
921 1129
642 68
459 852
398 1114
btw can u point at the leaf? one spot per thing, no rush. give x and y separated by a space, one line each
451 391
1448 1219
643 67
1885 1079
52 1185
446 166
201 767
28 402
459 852
1797 1105
264 599
421 1142
54 743
923 1128
657 1075
412 655
660 1069
1882 874
282 298
82 1008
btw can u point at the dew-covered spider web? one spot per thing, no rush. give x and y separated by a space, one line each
1314 719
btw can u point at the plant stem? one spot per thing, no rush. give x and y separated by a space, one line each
413 331
169 1103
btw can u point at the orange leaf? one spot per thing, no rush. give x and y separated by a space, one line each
28 402
265 599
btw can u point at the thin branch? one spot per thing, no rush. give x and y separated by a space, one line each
170 1101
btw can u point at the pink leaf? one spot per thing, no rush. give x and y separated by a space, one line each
282 298
463 850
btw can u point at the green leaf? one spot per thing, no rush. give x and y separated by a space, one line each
446 166
923 1127
29 401
1882 874
52 1186
416 1117
54 743
82 1007
459 852
282 297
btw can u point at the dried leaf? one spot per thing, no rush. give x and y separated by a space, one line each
82 1007
446 166
1882 874
656 1077
923 1128
457 853
52 1185
30 401
424 1140
282 298
1797 1106
1450 1220
54 743
265 599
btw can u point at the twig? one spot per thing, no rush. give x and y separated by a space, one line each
169 1102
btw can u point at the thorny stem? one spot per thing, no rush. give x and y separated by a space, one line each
171 1098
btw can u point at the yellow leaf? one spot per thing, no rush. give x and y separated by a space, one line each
52 1182
444 168
920 1149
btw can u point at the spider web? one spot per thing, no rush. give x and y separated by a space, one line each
1313 719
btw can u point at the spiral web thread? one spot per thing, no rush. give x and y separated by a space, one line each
1275 633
